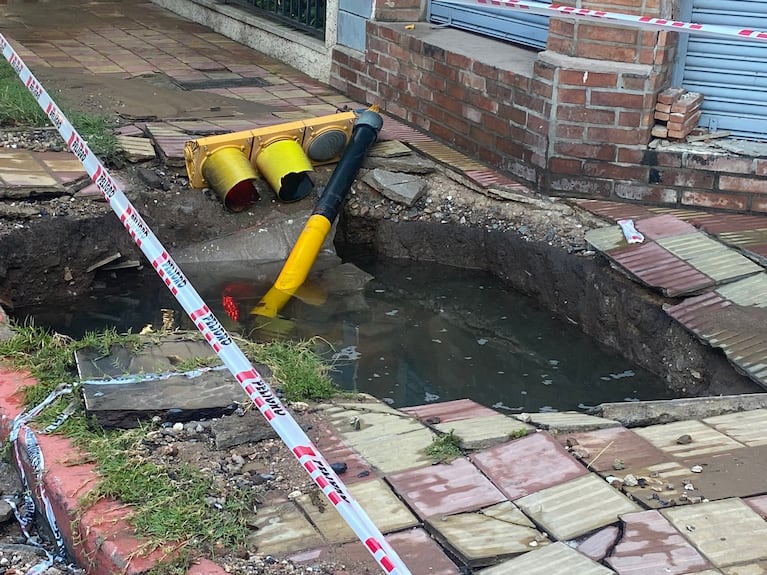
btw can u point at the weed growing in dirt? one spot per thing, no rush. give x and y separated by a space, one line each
19 109
445 448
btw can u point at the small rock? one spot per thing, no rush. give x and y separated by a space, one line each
630 481
684 439
299 406
339 467
294 494
696 469
6 511
619 464
363 474
432 420
178 426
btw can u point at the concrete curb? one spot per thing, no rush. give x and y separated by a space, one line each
99 538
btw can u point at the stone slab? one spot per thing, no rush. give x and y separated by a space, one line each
556 559
485 537
283 529
399 187
528 465
736 473
650 544
445 489
372 426
577 507
748 428
758 568
136 149
726 532
376 498
705 439
484 432
389 149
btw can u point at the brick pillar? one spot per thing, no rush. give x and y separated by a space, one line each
399 10
605 82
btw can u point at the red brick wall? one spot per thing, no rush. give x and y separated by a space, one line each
578 125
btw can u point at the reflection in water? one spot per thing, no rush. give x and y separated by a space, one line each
416 333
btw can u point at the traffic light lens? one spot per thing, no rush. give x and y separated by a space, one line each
285 166
295 186
327 145
231 175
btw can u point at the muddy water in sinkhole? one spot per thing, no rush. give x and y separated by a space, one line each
416 333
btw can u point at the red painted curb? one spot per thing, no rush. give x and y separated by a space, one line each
99 538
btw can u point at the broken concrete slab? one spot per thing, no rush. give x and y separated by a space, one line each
125 386
566 421
556 559
642 413
412 164
489 535
283 529
234 430
398 187
389 149
484 432
344 279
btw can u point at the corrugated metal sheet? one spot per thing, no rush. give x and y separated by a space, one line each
710 257
577 507
443 153
721 223
556 559
725 532
658 268
743 346
663 226
615 210
705 439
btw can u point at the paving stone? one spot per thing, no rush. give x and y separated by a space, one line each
749 428
596 546
737 473
449 410
566 421
758 568
602 448
136 149
704 438
283 529
372 426
527 465
577 507
650 544
446 489
556 559
482 538
335 450
421 554
398 452
376 498
484 432
389 149
725 532
399 187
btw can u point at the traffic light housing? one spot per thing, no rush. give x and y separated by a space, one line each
283 154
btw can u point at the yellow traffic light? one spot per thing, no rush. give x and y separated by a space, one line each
283 155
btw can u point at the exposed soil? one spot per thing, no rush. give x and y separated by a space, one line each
535 244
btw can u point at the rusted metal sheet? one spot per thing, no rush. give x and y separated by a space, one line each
710 257
721 223
732 318
614 210
663 226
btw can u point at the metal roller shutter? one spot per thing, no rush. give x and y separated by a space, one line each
731 74
525 29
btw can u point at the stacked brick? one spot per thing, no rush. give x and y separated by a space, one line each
677 113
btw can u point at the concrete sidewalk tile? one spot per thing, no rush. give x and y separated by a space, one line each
376 498
596 546
445 489
482 537
136 149
283 529
749 428
726 532
556 559
758 504
484 432
527 465
758 568
335 450
449 410
398 452
705 439
650 544
421 554
603 448
29 179
372 426
566 421
737 473
577 507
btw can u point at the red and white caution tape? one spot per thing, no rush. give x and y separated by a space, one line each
645 22
218 338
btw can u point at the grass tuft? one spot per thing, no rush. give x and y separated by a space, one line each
444 448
